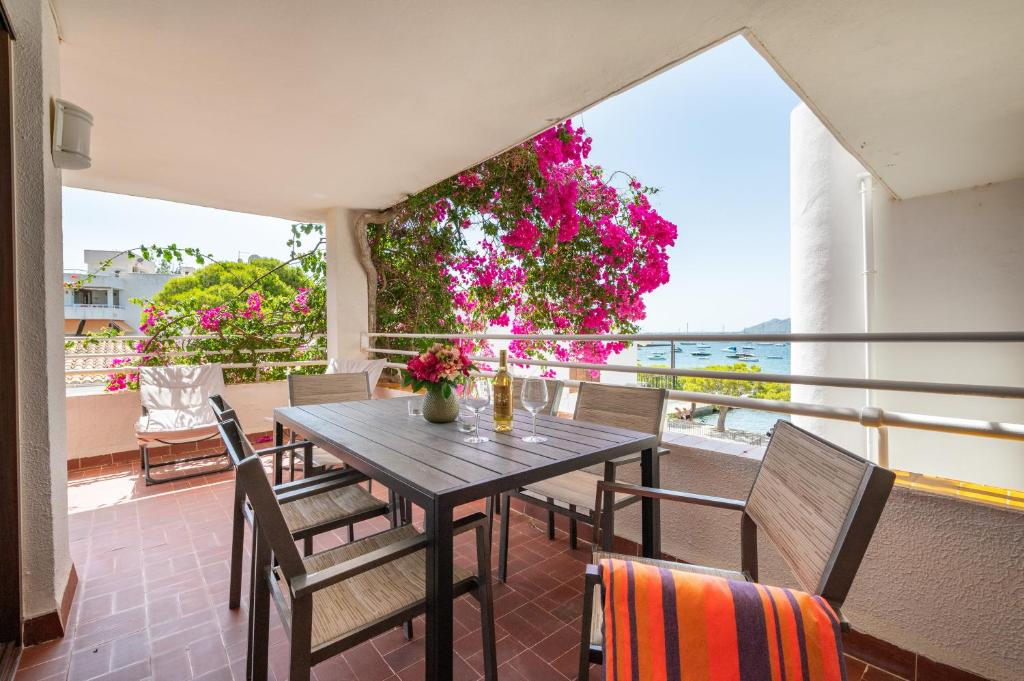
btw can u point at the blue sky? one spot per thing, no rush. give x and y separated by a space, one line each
712 133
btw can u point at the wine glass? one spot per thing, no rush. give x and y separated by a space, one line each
476 395
534 398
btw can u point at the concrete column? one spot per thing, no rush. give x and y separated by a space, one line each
46 559
347 309
825 270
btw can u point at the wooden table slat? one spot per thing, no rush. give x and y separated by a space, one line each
435 439
465 471
330 436
500 445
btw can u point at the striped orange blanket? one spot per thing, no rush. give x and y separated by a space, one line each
680 626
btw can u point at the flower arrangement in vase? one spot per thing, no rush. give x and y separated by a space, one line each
438 370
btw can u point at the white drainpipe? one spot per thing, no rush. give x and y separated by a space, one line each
876 447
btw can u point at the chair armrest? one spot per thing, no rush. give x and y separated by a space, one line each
669 495
313 480
471 521
304 585
303 444
315 487
635 458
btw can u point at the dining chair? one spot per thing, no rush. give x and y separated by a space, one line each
304 389
572 494
817 504
175 411
310 506
337 599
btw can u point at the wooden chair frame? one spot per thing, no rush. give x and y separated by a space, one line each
308 465
836 580
575 516
242 514
275 543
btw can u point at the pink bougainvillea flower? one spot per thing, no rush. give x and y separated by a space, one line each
253 306
301 302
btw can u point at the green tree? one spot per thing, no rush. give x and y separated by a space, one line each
213 284
735 387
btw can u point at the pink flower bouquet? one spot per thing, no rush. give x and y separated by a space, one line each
440 367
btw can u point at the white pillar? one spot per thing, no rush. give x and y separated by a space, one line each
825 270
347 311
46 557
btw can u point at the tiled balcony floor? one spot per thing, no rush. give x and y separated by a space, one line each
152 597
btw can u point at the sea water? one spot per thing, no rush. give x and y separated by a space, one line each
772 359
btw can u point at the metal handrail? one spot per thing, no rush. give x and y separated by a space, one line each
896 337
999 391
871 417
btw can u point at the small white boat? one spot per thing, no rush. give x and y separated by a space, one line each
749 358
776 357
701 353
656 355
703 346
731 348
747 347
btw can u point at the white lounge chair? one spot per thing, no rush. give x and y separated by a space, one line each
343 365
176 410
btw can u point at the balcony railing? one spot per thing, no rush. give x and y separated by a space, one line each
872 417
93 311
866 415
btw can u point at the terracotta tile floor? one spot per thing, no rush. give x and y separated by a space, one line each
152 596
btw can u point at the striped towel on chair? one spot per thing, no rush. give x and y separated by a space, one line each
681 626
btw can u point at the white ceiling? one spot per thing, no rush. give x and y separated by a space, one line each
288 108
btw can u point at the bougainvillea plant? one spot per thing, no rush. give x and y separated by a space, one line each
534 240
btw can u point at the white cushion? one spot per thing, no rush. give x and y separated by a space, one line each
372 367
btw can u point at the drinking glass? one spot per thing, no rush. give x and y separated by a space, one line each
415 405
476 395
534 398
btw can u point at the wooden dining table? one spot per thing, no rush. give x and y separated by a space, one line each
432 466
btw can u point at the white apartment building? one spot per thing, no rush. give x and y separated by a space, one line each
105 299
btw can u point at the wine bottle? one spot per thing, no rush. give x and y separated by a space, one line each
503 395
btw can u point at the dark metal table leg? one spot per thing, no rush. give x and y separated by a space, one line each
607 537
278 441
439 633
650 508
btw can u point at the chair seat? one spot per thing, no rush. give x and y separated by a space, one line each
330 506
354 603
324 459
175 425
578 488
597 620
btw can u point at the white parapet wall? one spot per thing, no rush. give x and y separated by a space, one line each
101 423
941 578
945 262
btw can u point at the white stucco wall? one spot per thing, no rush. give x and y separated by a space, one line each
347 299
46 559
825 289
942 577
953 261
947 262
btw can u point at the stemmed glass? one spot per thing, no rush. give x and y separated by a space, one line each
534 398
476 395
